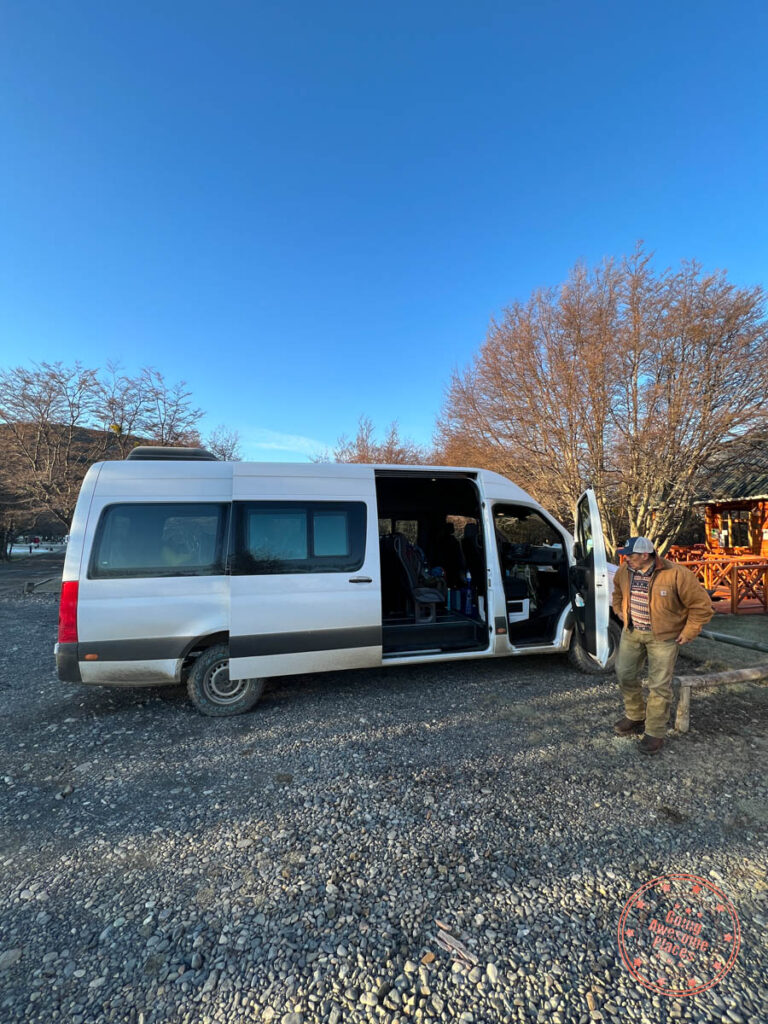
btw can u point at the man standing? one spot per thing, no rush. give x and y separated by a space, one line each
662 605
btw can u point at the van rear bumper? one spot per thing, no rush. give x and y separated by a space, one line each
67 664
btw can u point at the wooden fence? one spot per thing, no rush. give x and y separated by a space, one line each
742 578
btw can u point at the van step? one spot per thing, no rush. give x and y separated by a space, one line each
429 634
410 653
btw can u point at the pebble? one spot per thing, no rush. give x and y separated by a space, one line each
9 957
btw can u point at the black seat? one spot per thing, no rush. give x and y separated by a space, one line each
425 599
447 553
473 551
393 597
543 555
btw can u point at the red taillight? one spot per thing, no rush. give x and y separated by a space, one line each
68 613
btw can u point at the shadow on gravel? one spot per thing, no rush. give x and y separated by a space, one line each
127 754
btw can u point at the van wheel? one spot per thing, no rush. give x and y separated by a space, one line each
584 661
212 691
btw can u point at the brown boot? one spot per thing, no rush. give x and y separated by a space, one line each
628 727
650 744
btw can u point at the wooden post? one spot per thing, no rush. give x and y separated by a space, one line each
683 715
734 588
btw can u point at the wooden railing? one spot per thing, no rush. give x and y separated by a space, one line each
745 577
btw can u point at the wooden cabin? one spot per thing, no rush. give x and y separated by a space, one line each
735 498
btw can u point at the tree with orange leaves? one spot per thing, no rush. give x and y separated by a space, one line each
624 379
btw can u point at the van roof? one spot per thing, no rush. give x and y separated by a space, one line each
493 484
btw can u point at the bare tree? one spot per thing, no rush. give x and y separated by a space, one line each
167 415
46 412
120 407
623 379
145 408
224 444
55 421
365 448
693 373
11 513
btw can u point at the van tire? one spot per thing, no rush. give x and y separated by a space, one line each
584 661
211 691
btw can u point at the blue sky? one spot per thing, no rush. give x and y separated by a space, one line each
310 212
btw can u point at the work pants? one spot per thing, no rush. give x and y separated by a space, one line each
635 649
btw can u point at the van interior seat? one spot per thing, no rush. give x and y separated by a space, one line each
546 555
393 597
515 588
446 552
425 599
474 558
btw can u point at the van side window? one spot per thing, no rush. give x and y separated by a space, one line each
298 537
276 534
159 539
331 534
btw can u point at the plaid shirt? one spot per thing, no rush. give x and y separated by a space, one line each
639 609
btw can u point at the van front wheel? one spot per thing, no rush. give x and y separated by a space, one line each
212 691
584 661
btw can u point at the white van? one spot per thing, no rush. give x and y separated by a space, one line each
184 569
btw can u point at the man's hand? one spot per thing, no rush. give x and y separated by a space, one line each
682 640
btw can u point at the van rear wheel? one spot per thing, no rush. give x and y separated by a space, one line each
212 691
584 661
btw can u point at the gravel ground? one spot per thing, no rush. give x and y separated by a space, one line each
720 655
288 865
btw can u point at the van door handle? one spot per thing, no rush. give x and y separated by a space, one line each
361 579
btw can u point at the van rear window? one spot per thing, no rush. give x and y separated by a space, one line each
159 539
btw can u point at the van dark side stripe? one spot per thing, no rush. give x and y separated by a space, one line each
302 642
258 645
141 649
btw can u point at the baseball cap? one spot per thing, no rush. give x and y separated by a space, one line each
637 546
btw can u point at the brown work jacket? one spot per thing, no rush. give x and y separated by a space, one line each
678 603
